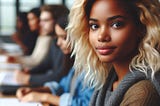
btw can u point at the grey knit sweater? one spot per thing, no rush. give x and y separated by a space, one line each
125 94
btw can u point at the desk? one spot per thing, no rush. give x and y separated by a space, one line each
6 96
13 96
5 50
10 48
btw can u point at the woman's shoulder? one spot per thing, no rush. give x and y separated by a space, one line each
143 87
142 93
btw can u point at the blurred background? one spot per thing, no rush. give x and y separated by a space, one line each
10 8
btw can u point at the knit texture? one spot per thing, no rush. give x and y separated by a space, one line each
105 96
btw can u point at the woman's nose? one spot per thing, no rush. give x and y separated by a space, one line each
104 35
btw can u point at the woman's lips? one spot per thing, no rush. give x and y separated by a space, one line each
105 50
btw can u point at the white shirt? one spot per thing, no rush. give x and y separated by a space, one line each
40 51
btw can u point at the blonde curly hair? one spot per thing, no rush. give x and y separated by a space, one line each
148 58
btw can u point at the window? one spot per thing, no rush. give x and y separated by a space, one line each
69 3
8 13
7 16
8 10
53 2
26 5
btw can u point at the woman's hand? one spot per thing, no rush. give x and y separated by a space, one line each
21 92
22 77
41 97
11 59
33 97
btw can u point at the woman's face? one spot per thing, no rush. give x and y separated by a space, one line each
33 22
61 42
46 22
19 23
113 33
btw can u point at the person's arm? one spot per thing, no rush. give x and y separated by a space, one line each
81 96
40 79
21 92
41 49
55 73
61 87
22 77
83 99
142 93
54 56
43 66
40 97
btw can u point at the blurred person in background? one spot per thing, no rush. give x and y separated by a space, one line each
21 29
51 68
27 30
43 41
31 38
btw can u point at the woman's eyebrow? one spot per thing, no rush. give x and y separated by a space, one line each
109 18
115 17
92 19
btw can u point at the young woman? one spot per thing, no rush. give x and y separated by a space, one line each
21 28
117 43
69 91
27 30
32 35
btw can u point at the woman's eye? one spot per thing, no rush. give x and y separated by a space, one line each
117 24
93 26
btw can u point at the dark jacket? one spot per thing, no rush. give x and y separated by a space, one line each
50 69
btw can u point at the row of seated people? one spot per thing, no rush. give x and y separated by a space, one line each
37 34
57 81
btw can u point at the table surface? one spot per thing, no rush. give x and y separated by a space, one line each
4 53
7 96
13 96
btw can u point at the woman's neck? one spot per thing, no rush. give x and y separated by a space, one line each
121 69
